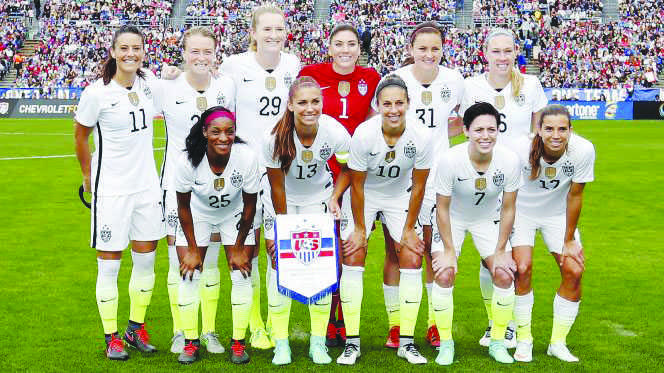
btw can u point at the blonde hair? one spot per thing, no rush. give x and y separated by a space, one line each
198 30
515 76
256 13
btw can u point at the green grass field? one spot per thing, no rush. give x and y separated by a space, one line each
49 318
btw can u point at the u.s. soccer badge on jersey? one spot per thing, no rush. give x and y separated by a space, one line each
221 98
390 156
219 183
427 97
499 101
147 91
498 178
343 88
133 98
550 172
105 233
410 150
236 179
362 87
480 183
325 151
201 103
445 94
270 83
306 253
288 80
307 156
568 169
520 99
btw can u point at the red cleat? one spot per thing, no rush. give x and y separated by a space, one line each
393 337
433 337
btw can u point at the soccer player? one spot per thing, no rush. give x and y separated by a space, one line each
295 153
518 99
385 150
262 78
182 101
557 165
347 93
471 179
217 182
435 94
121 174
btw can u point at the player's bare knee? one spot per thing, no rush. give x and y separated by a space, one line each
411 261
524 270
501 278
446 277
571 270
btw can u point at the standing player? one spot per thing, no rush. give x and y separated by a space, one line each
558 164
471 180
347 93
121 174
436 92
385 151
262 78
217 182
518 99
295 153
182 101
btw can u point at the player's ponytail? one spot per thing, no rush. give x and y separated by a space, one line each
537 146
110 66
428 27
196 143
283 131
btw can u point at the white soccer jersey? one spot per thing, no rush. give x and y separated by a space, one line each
515 112
389 167
308 180
123 160
215 198
433 105
476 196
547 195
261 96
182 107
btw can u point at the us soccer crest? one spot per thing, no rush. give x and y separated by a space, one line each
427 97
480 183
219 184
133 98
105 233
325 152
498 178
307 156
147 91
520 99
568 169
410 150
306 256
172 218
390 156
550 172
288 80
362 87
343 222
445 94
270 83
236 179
201 103
268 222
221 99
436 237
343 88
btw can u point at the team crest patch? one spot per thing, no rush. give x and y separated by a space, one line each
221 98
427 97
306 245
499 102
219 183
568 169
390 156
288 80
445 94
498 178
201 103
410 150
172 218
362 87
307 156
520 99
343 88
268 222
325 152
270 83
236 179
147 91
105 233
436 237
133 98
480 183
550 172
343 222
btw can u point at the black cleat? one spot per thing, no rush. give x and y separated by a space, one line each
139 339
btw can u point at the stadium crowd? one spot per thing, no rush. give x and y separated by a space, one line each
114 11
11 40
391 12
233 10
567 9
17 8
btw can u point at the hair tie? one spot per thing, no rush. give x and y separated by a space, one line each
217 115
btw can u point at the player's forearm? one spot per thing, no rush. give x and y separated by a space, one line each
357 204
82 148
507 213
415 204
574 203
444 226
343 182
247 217
186 219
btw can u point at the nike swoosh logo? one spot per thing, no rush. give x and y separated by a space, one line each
113 105
440 310
326 87
179 102
273 305
146 290
185 305
392 311
173 283
408 302
209 286
107 300
503 305
373 154
197 183
247 80
522 326
237 304
460 179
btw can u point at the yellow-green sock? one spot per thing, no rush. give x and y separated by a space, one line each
107 293
486 287
350 292
523 309
209 292
268 272
240 303
255 318
141 284
392 304
173 284
280 306
503 306
443 305
319 313
410 297
188 303
431 317
564 315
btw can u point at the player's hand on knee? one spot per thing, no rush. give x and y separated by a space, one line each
442 261
412 242
573 250
356 242
503 261
240 259
191 261
333 206
269 247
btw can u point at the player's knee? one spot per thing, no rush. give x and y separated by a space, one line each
524 269
501 278
446 277
410 262
571 270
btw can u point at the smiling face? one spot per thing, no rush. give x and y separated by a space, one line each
199 54
269 32
392 106
220 134
345 50
555 132
500 53
427 50
128 52
306 105
482 134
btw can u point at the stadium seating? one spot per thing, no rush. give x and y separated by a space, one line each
109 10
391 12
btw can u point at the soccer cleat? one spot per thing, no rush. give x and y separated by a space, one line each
282 352
560 351
115 348
433 338
341 333
524 352
260 340
393 337
498 352
238 352
211 343
350 354
409 352
510 337
139 339
190 352
486 337
318 351
177 343
445 353
331 335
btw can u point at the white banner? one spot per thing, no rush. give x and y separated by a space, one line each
307 256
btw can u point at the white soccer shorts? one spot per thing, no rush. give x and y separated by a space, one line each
552 229
392 212
227 228
484 234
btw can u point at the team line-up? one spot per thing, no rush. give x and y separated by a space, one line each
262 136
